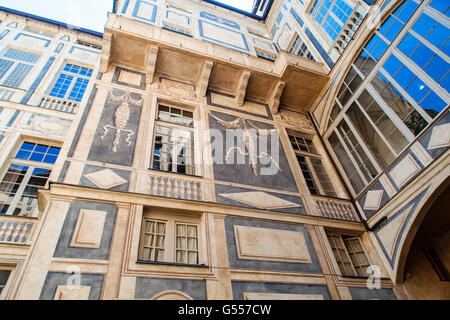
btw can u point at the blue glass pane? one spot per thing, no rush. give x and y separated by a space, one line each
27 146
441 6
407 11
433 104
417 90
437 68
5 65
23 155
445 83
422 56
393 30
423 25
37 157
392 65
41 148
39 171
404 77
21 168
408 44
50 159
54 151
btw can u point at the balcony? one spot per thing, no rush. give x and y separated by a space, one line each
56 104
15 230
336 209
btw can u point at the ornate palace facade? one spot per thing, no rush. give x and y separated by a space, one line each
194 151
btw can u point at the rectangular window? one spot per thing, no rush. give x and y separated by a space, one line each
350 255
15 65
300 49
331 15
312 168
71 83
170 238
372 140
28 171
173 148
5 273
347 164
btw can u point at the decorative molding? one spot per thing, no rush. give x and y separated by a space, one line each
373 199
260 200
105 179
72 293
271 245
275 96
121 116
151 56
242 87
281 296
89 229
440 137
404 170
204 78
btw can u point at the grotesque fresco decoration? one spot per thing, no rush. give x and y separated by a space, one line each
121 116
248 151
115 138
248 140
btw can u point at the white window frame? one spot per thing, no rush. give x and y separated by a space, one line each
366 84
171 220
194 129
31 166
341 237
308 156
14 65
72 84
5 288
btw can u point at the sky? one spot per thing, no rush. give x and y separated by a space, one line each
89 14
240 4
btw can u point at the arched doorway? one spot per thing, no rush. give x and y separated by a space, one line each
426 274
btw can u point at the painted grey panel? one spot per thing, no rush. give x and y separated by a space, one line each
82 121
415 202
107 130
384 199
236 263
425 140
241 287
224 189
374 294
55 279
147 288
64 250
231 171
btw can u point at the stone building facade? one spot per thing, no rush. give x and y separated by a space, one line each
299 151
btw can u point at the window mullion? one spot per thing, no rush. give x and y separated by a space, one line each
351 157
391 114
419 73
375 127
19 192
362 144
406 95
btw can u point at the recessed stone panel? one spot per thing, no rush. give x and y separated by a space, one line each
271 245
89 229
72 293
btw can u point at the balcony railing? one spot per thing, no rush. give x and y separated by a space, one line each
336 209
15 231
62 105
174 187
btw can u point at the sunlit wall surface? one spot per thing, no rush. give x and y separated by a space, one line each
397 85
